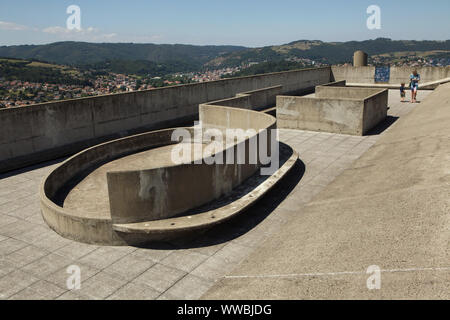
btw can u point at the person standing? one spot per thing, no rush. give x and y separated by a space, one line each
402 92
415 78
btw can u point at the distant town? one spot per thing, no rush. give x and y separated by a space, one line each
16 93
411 60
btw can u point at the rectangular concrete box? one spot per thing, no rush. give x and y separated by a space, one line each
334 109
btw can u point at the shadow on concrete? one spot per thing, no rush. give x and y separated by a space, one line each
44 158
242 223
31 168
382 126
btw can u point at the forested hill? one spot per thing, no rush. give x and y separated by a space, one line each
80 53
327 52
178 57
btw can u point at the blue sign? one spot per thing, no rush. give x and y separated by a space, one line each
382 74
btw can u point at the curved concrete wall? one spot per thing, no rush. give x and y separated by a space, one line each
47 131
155 194
256 99
161 193
144 195
94 156
226 117
89 228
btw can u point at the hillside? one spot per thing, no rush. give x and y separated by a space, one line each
143 67
267 67
40 72
331 52
160 60
80 53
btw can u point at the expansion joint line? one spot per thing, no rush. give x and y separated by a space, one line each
318 274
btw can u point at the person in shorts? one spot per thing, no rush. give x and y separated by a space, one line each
402 92
415 78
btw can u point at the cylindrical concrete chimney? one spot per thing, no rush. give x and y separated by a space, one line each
360 59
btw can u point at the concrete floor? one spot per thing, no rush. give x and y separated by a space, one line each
34 259
390 211
90 196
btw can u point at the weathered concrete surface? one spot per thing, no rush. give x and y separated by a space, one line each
427 74
334 109
423 86
353 74
256 99
90 196
51 130
34 259
434 84
198 221
391 209
90 226
341 83
366 75
337 92
145 194
360 59
144 188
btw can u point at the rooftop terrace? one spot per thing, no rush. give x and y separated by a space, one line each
351 202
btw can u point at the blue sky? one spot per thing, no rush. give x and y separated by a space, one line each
245 22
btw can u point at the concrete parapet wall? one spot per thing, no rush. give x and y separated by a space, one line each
45 131
427 74
263 98
240 101
255 99
353 74
229 118
397 74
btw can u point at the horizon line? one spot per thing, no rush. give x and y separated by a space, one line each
220 45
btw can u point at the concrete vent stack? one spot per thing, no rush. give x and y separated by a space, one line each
360 59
